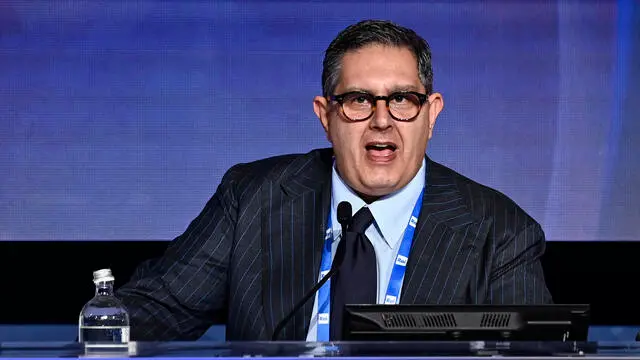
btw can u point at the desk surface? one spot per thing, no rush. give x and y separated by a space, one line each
360 350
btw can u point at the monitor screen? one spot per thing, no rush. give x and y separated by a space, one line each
466 322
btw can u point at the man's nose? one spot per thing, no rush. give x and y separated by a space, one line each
381 118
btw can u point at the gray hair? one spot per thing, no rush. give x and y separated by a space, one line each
371 32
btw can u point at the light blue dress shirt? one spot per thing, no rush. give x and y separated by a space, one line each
391 215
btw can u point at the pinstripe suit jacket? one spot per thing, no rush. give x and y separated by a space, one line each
255 250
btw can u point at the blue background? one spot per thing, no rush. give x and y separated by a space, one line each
118 119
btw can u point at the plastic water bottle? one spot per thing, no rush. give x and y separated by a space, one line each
104 319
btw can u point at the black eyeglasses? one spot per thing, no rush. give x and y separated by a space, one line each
360 105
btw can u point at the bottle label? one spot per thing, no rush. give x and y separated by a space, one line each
104 334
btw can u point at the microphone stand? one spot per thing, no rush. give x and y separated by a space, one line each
344 218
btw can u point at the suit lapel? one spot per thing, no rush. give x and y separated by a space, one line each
293 226
446 243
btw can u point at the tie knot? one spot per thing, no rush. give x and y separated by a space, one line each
361 220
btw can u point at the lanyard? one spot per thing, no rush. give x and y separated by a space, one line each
395 281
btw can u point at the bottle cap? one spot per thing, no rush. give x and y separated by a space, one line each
102 275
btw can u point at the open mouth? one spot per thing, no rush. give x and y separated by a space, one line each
381 146
381 152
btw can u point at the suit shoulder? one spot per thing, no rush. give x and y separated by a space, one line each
253 174
484 201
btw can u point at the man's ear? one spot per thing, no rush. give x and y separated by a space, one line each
436 104
321 108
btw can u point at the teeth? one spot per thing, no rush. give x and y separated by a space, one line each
381 146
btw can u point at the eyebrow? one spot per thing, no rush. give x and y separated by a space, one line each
395 89
405 88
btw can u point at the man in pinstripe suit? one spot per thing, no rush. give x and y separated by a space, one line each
257 246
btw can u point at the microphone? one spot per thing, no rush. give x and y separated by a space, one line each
344 215
344 218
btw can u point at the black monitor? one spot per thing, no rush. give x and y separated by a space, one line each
466 323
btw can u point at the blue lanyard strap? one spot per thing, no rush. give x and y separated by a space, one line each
395 281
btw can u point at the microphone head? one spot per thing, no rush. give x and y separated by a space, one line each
344 213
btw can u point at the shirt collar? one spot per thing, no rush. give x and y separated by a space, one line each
391 212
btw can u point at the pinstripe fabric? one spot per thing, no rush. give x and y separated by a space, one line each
473 245
255 250
293 235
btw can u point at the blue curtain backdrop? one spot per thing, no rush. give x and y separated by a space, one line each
620 196
118 119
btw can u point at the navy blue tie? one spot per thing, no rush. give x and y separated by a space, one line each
356 282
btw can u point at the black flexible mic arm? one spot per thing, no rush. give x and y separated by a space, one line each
344 218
